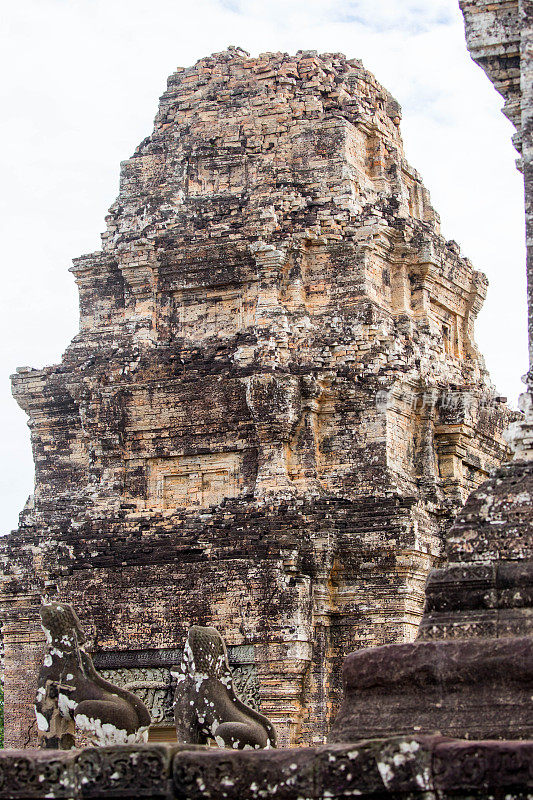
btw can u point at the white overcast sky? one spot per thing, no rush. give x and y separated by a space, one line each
81 82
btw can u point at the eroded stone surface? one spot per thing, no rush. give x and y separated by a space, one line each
500 39
71 694
205 704
463 688
486 587
429 768
475 677
275 402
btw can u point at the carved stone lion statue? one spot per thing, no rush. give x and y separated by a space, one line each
71 694
205 703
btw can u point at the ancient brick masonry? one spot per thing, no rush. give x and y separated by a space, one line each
470 672
274 405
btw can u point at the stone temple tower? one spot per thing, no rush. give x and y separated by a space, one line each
274 404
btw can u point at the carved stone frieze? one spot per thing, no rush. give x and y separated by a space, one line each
155 686
415 767
122 771
37 774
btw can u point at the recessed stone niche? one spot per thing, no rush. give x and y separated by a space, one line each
196 481
225 312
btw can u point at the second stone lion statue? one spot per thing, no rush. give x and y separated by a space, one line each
205 704
72 695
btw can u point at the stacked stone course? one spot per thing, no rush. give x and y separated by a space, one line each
275 402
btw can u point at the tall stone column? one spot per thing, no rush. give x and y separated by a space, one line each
526 90
499 36
521 434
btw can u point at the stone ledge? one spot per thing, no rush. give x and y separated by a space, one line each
458 687
441 663
414 766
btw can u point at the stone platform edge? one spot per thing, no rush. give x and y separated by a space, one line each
409 766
